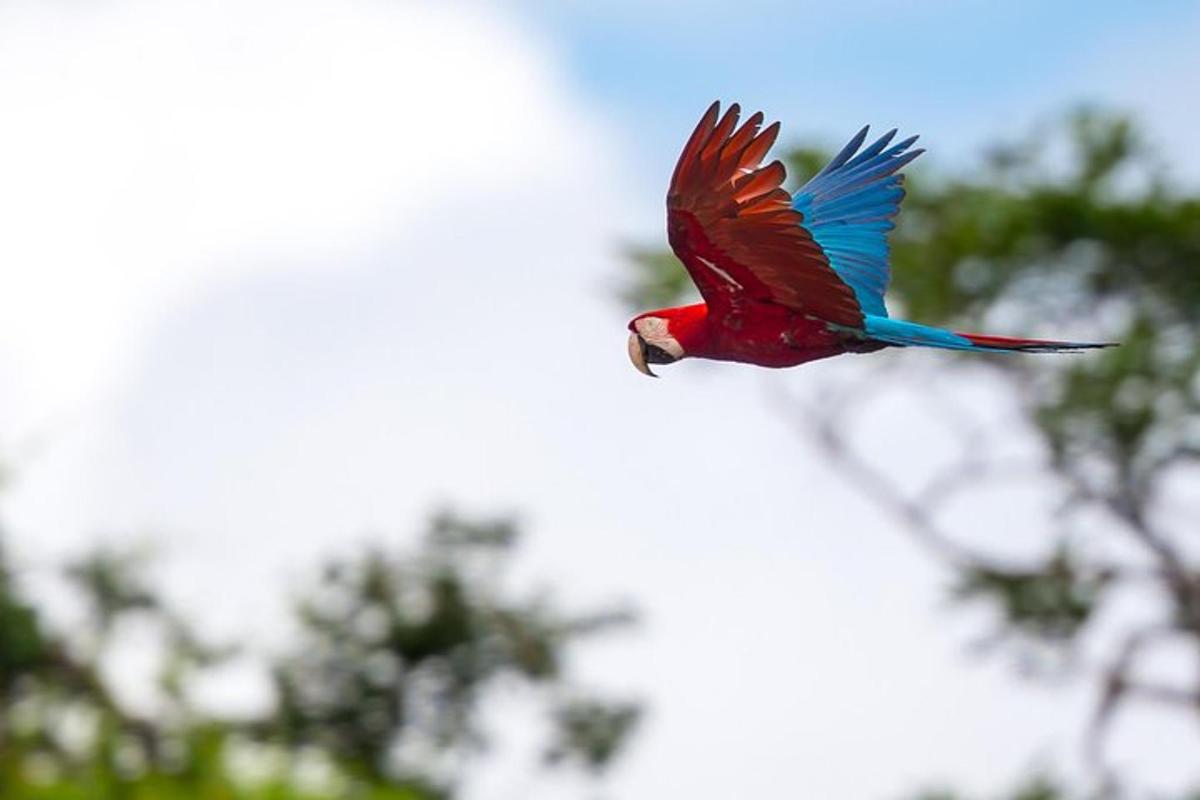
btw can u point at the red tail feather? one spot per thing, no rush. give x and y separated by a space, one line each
1011 343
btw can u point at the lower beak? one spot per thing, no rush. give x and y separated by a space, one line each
637 354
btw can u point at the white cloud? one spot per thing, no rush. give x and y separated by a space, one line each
150 148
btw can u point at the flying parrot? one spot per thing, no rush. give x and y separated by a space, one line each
788 279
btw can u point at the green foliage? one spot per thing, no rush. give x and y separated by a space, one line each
112 584
1051 602
396 651
23 649
591 731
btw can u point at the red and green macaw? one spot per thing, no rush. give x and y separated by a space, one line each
787 279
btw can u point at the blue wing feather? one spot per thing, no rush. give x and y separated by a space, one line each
848 208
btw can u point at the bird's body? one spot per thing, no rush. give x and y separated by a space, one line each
787 280
770 336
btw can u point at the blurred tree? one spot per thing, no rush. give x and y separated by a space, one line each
396 653
1077 221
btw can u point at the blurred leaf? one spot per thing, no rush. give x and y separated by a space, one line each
113 583
23 648
592 731
1050 602
397 649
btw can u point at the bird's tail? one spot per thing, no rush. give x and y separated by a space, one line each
911 334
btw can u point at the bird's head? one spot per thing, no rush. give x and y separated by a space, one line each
652 342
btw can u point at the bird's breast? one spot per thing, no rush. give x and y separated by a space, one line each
774 337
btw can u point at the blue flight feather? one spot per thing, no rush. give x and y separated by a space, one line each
912 334
848 208
899 332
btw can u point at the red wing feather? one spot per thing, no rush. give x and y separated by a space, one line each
733 226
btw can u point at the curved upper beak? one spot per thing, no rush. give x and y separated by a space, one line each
637 354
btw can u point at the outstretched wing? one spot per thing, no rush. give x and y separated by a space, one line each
848 208
736 231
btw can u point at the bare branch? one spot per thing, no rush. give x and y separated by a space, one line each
817 424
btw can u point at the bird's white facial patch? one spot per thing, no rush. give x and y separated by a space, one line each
654 331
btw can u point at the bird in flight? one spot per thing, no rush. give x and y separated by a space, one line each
788 279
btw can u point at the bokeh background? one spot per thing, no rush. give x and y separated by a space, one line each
326 474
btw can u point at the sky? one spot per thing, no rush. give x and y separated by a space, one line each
281 277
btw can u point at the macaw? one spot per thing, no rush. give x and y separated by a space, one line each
787 280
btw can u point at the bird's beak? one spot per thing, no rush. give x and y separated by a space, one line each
637 354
